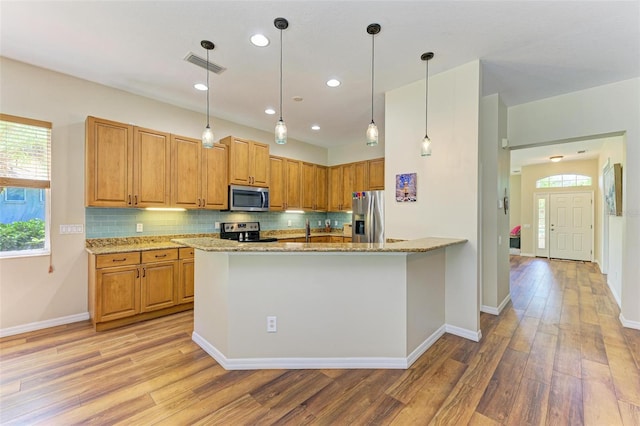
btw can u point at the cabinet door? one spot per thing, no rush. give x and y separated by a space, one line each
259 164
158 285
335 188
185 172
348 172
309 189
108 163
117 293
360 176
186 281
239 154
321 188
277 188
151 168
376 174
294 192
215 189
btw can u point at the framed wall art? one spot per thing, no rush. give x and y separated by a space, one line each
406 188
612 185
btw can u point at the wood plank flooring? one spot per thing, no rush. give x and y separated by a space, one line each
557 355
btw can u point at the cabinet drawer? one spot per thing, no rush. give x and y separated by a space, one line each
117 259
186 253
159 255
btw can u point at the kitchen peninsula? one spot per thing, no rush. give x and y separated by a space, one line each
344 305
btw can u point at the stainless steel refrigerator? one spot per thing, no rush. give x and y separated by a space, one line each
368 217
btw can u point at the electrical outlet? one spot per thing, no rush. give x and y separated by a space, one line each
335 223
272 324
217 225
139 227
289 223
499 240
319 223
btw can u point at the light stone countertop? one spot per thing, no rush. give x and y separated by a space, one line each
412 246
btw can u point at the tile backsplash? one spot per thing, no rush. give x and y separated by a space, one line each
111 222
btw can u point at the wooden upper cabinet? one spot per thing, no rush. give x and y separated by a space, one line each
151 168
322 197
126 166
215 187
376 174
108 163
186 170
277 183
199 175
348 175
314 187
293 178
360 176
248 162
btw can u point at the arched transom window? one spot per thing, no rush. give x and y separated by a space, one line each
563 181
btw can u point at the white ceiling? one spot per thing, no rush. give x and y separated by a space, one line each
529 49
570 151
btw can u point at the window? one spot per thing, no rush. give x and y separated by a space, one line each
563 181
25 164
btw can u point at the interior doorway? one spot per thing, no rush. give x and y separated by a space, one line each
564 225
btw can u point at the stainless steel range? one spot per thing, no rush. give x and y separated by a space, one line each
244 232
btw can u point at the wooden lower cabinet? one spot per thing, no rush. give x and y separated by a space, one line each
135 286
186 271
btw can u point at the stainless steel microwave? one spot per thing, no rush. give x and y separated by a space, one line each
248 198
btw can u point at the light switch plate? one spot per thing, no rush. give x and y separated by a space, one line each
139 227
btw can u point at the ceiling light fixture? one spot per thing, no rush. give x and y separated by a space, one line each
372 130
315 127
270 111
333 83
200 86
259 40
207 135
281 128
556 158
425 147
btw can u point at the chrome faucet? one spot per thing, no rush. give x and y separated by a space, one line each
307 231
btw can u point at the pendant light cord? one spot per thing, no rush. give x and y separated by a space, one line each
373 53
280 75
426 99
207 87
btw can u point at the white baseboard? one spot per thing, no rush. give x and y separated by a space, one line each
33 326
316 363
463 332
527 254
496 311
628 323
616 297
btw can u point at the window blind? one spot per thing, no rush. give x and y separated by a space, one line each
25 152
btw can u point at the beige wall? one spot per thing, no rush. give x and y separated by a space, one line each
28 293
530 174
447 182
515 201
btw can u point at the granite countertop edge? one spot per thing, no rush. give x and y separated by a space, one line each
411 246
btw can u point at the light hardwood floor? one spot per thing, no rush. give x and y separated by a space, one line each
556 355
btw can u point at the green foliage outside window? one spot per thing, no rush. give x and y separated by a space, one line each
26 235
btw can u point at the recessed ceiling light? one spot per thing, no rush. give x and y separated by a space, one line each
200 86
333 83
270 111
259 40
556 158
315 127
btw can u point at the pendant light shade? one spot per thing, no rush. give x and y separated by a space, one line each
372 130
207 134
281 128
425 147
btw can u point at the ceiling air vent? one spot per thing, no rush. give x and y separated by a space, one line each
202 63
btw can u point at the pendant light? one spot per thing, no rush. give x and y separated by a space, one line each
372 130
425 148
207 135
281 128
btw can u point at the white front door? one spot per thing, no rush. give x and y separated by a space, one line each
571 225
